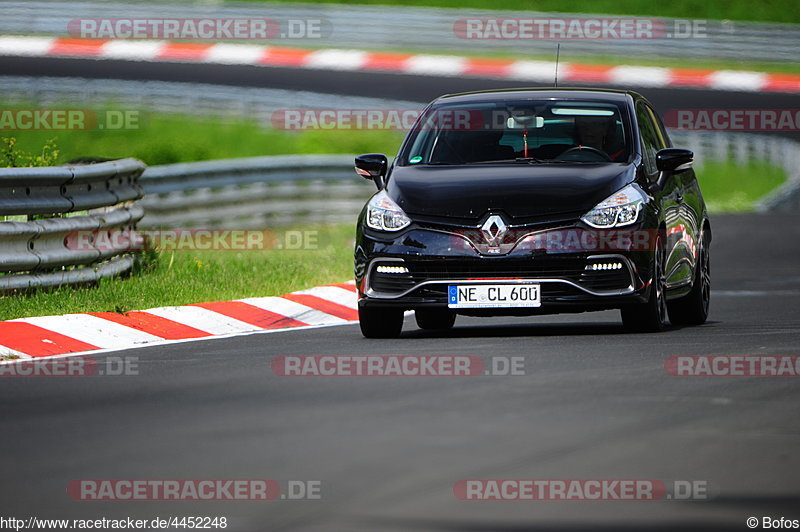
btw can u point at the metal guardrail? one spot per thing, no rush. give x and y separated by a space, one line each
742 148
785 198
745 147
37 252
64 189
419 28
254 192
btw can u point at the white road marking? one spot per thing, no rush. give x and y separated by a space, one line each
8 352
203 319
335 59
737 80
236 54
92 330
741 293
27 46
641 76
334 294
537 70
435 65
294 310
132 50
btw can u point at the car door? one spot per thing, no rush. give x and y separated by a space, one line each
691 209
671 192
688 208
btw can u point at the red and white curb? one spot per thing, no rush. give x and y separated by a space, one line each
79 333
359 60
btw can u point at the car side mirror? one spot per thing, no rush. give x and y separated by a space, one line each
674 159
372 166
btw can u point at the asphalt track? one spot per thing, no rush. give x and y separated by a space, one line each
594 402
377 85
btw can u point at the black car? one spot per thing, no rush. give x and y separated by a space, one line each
533 201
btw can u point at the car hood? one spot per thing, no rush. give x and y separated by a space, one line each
520 191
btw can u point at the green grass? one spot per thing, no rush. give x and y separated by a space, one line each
165 139
765 11
731 187
183 277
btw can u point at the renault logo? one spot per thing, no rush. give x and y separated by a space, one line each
493 230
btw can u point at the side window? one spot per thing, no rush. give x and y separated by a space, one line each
660 130
650 139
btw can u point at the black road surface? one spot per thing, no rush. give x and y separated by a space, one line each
594 403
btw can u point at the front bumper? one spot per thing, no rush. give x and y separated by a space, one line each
414 269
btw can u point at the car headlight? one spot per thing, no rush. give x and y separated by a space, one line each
384 214
621 208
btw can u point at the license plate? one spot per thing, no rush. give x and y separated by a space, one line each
493 295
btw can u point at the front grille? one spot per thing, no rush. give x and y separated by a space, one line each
569 268
502 268
532 223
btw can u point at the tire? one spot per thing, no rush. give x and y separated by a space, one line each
435 319
380 323
650 316
692 309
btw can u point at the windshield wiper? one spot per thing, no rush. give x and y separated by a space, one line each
558 161
517 160
527 160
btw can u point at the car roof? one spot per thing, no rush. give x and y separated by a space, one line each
607 95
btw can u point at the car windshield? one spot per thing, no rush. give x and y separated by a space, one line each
527 131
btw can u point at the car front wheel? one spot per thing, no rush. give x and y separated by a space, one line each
650 316
692 309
